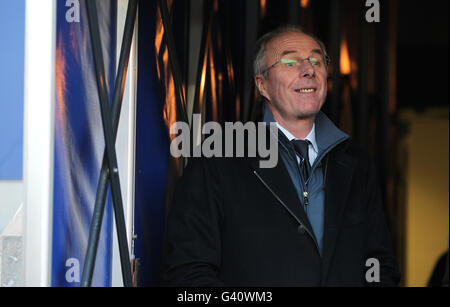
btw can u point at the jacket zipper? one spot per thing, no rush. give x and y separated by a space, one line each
290 212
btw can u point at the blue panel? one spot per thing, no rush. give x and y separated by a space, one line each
12 41
152 153
79 144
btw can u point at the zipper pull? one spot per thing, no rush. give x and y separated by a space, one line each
305 195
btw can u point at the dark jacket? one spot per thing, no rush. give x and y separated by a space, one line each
235 224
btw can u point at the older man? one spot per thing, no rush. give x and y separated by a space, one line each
315 219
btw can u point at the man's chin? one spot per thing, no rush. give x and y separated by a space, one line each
307 114
308 110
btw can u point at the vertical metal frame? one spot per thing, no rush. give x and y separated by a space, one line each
110 119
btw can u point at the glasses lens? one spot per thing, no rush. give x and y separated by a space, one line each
289 63
293 63
314 61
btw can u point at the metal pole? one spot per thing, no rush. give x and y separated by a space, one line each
173 58
251 36
102 187
202 54
335 40
110 147
362 106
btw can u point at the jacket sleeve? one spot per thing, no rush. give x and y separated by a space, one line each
193 236
378 242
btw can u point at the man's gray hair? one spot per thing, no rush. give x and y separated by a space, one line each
259 63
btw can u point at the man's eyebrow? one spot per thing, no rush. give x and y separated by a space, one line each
286 52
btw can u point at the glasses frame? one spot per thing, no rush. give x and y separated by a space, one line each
326 58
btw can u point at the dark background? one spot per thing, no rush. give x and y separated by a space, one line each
423 54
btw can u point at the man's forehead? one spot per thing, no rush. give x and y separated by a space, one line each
288 43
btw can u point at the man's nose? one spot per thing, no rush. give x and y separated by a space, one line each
306 70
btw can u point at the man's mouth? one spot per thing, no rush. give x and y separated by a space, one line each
305 90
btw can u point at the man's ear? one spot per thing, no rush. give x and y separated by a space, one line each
261 86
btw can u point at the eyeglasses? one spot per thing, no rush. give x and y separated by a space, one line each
294 64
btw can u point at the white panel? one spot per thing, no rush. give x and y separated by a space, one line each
11 192
40 38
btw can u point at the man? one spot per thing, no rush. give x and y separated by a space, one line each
313 220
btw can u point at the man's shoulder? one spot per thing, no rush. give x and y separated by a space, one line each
354 149
355 152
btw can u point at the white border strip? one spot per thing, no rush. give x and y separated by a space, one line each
40 46
131 91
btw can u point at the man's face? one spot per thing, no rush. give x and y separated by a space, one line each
296 88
